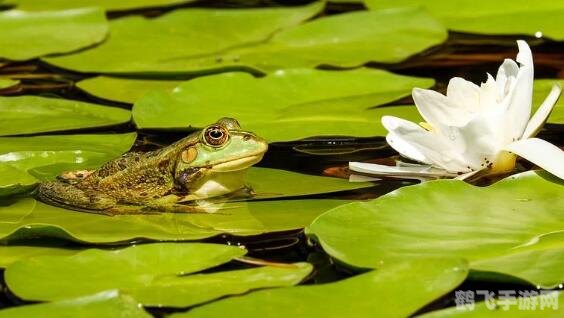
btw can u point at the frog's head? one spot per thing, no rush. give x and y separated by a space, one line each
216 163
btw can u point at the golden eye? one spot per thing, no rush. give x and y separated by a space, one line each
215 136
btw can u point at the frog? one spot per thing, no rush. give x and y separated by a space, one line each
209 163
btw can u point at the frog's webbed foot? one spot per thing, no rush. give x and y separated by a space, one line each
74 176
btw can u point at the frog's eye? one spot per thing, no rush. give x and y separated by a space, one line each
215 136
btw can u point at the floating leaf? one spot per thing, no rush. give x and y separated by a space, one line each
397 290
125 90
162 44
285 105
27 160
495 17
274 183
108 304
445 218
546 305
26 35
350 39
95 270
33 114
11 254
196 289
109 5
7 83
147 272
28 218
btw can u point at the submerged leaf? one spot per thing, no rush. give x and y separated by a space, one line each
33 114
27 35
7 83
445 218
397 290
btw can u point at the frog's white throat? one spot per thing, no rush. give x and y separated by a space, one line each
218 184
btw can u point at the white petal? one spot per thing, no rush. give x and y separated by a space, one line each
418 144
463 93
476 142
540 152
361 178
437 109
488 94
541 115
390 171
506 75
521 96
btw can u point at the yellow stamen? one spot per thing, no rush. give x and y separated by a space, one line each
503 163
426 126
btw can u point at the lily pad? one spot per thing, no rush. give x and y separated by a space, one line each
52 32
162 44
110 304
196 289
7 83
108 5
95 270
54 276
125 90
285 105
27 160
33 114
445 218
28 218
397 290
552 307
344 40
14 253
495 17
275 183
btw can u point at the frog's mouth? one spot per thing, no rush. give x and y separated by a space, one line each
237 164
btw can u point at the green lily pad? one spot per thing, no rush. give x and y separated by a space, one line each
52 32
12 254
125 90
445 218
7 83
191 290
344 40
541 90
157 45
33 114
95 270
108 304
54 276
552 307
285 105
495 17
275 183
108 5
397 290
28 218
25 161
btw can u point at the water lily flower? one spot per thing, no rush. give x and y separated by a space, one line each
474 130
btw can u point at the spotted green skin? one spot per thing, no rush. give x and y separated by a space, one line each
161 180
